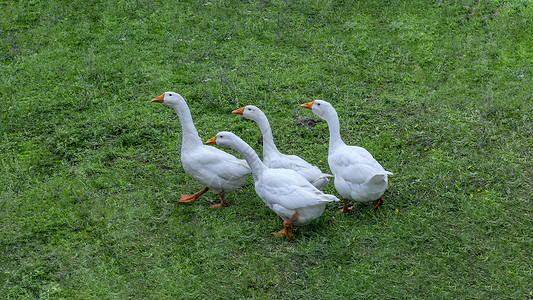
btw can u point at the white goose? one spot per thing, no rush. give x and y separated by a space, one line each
285 191
272 158
214 168
358 176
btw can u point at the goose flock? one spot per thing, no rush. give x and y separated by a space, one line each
290 186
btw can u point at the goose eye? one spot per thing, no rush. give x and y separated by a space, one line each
170 95
318 104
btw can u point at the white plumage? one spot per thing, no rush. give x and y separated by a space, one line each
358 176
214 168
272 158
285 191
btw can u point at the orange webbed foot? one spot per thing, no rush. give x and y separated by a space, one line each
282 232
346 209
193 197
287 228
188 198
222 204
286 231
222 201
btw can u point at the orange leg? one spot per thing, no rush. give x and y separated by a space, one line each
287 227
378 203
222 201
193 197
346 209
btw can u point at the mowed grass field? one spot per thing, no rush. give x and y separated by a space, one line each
440 92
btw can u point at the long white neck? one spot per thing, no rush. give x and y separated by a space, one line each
253 160
332 119
269 148
190 137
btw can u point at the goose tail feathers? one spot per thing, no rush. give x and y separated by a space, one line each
380 178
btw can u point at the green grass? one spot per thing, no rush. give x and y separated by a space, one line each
439 92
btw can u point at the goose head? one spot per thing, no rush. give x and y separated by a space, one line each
321 108
250 112
169 99
224 139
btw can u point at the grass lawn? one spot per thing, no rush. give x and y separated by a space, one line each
440 92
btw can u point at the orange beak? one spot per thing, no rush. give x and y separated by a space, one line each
212 141
308 105
159 99
239 111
